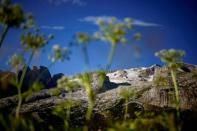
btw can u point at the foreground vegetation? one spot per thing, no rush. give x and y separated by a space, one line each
113 32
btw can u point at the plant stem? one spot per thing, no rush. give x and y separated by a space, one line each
90 102
90 94
90 109
110 56
68 112
3 35
86 58
126 109
25 69
19 102
20 85
173 74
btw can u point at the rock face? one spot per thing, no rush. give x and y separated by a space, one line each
36 74
6 86
152 88
41 75
54 79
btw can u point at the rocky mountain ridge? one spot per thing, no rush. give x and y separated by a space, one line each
152 90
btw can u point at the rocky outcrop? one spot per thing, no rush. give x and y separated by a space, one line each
36 74
41 75
6 86
152 90
54 79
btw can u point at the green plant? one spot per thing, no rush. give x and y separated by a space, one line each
160 81
63 111
86 80
126 94
33 41
154 123
11 123
16 61
67 84
101 78
13 16
30 41
83 39
35 87
59 53
114 32
173 60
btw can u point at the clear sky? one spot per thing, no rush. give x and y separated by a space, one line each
170 24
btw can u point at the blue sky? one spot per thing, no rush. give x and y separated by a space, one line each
176 19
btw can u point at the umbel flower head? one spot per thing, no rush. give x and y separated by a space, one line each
83 37
35 40
113 31
16 61
59 53
12 15
172 57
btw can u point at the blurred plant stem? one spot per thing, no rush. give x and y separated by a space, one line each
3 35
86 58
173 74
86 78
19 85
66 121
90 105
126 109
110 56
90 109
